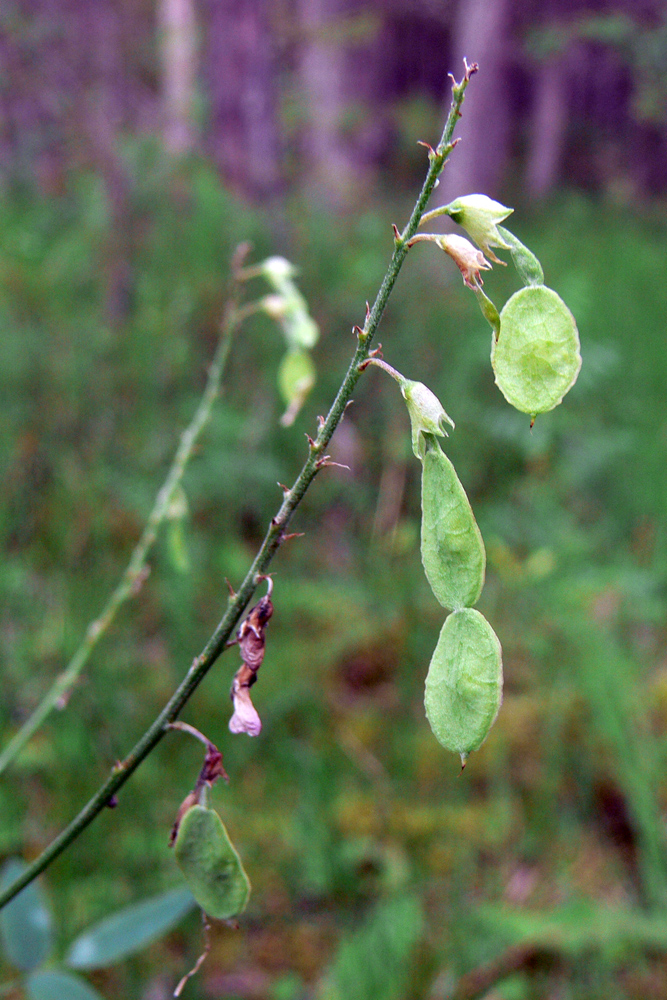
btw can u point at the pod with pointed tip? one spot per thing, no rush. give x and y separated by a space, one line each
210 864
536 356
451 543
464 682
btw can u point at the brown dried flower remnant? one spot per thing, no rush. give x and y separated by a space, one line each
212 770
252 642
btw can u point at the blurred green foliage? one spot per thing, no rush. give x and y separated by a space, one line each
345 803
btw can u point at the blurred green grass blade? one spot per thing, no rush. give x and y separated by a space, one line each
129 930
54 984
25 923
580 928
373 963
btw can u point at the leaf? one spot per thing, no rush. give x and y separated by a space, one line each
25 923
373 963
464 682
580 927
536 358
54 984
129 930
452 549
210 864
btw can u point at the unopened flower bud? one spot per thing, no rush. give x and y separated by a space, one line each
277 270
427 415
480 215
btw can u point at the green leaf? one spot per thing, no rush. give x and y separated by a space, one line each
129 930
452 549
210 864
25 923
464 682
536 358
54 984
579 928
374 961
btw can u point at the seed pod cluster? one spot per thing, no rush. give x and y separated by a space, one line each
210 863
464 681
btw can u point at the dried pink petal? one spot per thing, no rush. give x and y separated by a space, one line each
245 718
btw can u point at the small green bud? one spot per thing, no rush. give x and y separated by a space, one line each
480 215
277 271
427 415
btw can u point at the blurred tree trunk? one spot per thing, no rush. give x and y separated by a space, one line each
547 141
178 50
481 35
330 172
242 89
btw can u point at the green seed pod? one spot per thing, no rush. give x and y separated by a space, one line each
451 543
464 684
210 864
296 377
536 358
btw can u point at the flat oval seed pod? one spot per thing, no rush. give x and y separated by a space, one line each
536 357
464 683
210 864
451 543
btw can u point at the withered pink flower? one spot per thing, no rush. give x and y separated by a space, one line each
245 718
469 260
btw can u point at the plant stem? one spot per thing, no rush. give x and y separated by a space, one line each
275 535
134 574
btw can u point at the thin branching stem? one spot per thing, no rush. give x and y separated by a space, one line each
276 532
135 571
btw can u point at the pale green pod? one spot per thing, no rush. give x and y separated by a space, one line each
464 684
536 358
210 864
296 377
451 543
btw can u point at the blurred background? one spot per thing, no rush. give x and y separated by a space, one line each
140 142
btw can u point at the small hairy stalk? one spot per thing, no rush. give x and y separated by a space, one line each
275 535
134 572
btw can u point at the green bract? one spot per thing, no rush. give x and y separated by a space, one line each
451 544
427 415
536 358
210 864
464 683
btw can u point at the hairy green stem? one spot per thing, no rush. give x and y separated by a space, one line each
276 533
132 578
